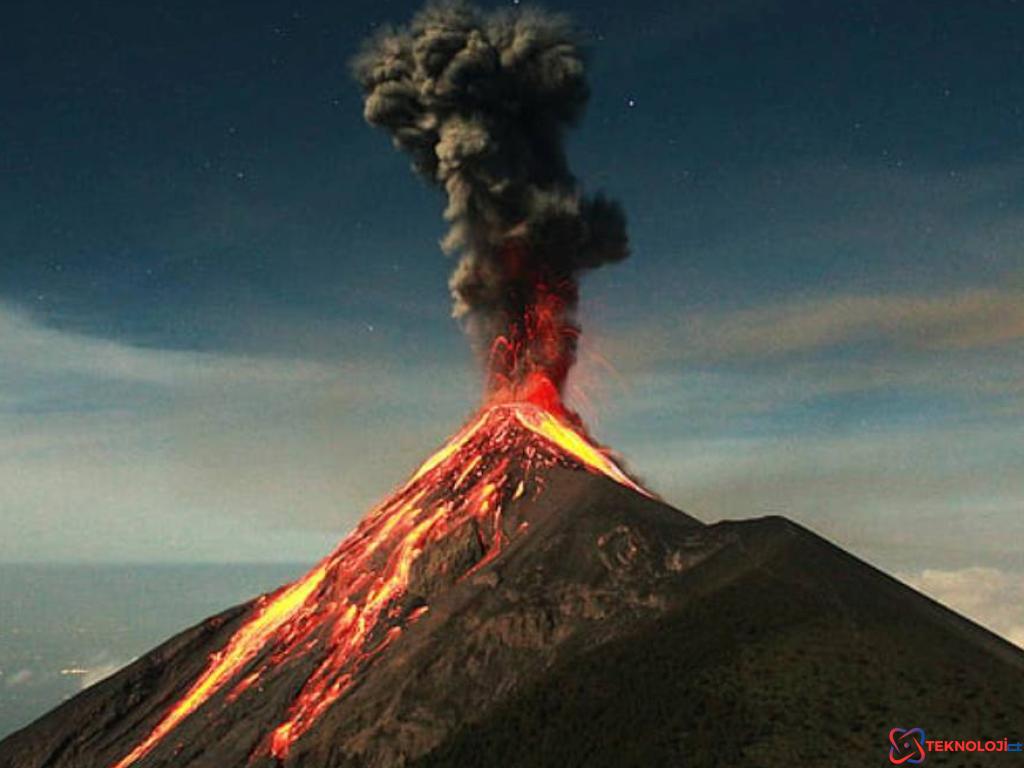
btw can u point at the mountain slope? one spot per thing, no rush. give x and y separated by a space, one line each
553 615
779 650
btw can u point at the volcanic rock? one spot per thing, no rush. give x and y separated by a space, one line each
606 629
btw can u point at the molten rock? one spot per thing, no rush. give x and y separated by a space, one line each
522 602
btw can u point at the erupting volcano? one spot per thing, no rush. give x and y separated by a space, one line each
351 606
521 600
480 103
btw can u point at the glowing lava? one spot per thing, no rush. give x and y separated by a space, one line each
355 602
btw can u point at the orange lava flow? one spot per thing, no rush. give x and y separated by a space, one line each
572 442
355 603
268 617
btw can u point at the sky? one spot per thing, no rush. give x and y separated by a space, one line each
225 328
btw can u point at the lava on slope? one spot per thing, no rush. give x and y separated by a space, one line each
353 604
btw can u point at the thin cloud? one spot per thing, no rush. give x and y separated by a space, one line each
907 239
19 678
953 321
114 451
961 320
900 496
29 345
992 597
99 672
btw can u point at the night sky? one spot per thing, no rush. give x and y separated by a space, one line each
224 320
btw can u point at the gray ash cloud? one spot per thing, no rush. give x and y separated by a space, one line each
481 103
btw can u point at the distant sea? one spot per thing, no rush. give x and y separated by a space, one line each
63 627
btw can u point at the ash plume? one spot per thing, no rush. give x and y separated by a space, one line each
481 103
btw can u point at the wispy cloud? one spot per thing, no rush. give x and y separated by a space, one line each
991 596
98 670
951 321
18 678
27 345
959 320
902 497
840 362
109 450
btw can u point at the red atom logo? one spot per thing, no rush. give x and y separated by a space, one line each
907 746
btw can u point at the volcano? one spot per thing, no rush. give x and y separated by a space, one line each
523 601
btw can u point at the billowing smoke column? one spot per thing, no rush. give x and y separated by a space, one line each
481 103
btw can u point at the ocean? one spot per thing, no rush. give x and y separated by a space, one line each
64 627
